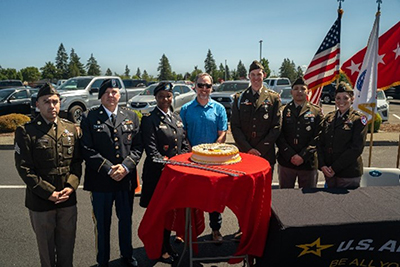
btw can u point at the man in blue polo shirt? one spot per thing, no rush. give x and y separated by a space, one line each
205 121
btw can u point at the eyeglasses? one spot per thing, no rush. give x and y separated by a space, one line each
207 85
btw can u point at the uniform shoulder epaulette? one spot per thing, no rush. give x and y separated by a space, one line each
315 106
272 92
94 108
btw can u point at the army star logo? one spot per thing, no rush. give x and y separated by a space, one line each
314 248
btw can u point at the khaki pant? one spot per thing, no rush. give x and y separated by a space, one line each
287 177
55 235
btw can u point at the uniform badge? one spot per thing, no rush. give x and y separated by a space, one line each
70 150
114 83
308 128
128 122
162 126
162 117
288 114
265 116
129 137
39 123
179 124
101 112
166 147
364 120
247 102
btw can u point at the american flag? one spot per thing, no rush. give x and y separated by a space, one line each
324 67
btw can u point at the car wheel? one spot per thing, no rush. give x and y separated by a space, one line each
75 114
326 99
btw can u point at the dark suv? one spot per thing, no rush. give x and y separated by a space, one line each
225 92
10 83
328 93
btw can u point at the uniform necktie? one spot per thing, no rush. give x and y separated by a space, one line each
113 118
298 110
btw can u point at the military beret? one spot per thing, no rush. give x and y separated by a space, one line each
344 88
107 83
47 89
299 81
256 65
163 86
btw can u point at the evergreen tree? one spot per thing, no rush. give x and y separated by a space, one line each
92 67
75 67
145 76
62 62
194 73
228 73
299 72
265 64
209 63
138 74
108 72
235 74
10 74
127 71
288 70
49 71
164 68
241 70
30 74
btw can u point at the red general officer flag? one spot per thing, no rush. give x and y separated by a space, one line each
388 60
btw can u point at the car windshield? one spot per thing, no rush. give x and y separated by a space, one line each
380 95
4 94
286 93
149 90
232 87
75 84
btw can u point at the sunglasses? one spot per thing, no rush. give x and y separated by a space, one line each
207 85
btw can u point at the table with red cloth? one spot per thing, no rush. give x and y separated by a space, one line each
180 187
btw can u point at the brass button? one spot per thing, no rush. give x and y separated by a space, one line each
117 156
116 139
116 147
115 130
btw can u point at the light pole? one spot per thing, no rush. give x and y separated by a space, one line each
261 49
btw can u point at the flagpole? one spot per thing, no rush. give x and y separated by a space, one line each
371 142
340 13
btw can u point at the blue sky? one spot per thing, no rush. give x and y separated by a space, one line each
137 32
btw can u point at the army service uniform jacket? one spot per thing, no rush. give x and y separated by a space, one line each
48 160
299 135
161 137
255 123
104 144
341 143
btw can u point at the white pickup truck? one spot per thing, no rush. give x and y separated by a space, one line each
79 94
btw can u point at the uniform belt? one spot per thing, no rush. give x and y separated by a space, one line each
253 134
55 171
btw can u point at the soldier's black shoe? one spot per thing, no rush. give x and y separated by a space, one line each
130 261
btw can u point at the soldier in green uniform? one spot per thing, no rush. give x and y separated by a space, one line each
297 143
342 141
48 160
255 120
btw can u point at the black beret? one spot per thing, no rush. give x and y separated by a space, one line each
344 88
47 89
163 86
256 65
299 81
107 83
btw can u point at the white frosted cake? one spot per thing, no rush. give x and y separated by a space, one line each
215 154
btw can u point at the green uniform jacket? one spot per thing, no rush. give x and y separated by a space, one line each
341 143
299 135
47 162
256 123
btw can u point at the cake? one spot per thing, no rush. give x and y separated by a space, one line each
215 154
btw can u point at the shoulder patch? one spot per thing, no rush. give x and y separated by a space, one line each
364 120
146 114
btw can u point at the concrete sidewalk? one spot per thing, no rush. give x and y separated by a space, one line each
379 139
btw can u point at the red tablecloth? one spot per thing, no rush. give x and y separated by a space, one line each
248 196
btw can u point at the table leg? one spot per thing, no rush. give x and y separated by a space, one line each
188 238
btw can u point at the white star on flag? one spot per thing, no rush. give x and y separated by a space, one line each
354 67
397 51
380 59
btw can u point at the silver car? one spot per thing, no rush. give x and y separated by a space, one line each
382 103
286 95
146 102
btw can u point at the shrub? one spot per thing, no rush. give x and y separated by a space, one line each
10 122
377 123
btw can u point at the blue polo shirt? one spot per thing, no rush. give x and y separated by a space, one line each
202 123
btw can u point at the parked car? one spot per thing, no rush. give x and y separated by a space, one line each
328 93
225 92
133 83
10 84
277 84
145 101
382 104
286 95
79 94
393 92
60 82
16 100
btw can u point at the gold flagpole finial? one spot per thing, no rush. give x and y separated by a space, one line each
340 10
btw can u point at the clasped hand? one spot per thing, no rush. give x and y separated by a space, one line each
61 196
118 172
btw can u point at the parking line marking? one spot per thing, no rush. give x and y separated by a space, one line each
396 116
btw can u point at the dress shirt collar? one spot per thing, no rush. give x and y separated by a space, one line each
109 112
